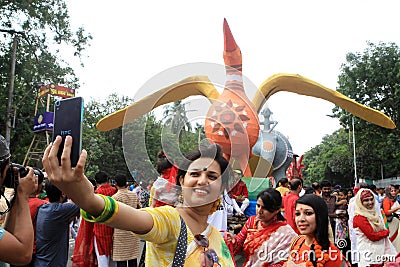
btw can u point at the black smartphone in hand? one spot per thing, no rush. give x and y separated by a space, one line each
68 118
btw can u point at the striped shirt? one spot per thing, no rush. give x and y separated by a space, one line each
125 244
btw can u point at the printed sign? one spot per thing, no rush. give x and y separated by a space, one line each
43 122
56 90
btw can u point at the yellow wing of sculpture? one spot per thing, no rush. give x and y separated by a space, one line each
194 85
297 84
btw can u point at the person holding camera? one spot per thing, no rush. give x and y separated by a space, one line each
16 238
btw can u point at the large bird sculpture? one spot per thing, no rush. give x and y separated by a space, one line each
232 120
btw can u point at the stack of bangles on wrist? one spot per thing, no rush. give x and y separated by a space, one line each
109 212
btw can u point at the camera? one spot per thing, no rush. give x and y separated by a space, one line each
11 180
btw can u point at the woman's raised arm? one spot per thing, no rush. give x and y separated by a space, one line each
73 182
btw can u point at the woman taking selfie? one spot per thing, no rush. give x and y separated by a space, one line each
372 236
312 247
265 238
175 236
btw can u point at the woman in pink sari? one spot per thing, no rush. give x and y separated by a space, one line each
265 238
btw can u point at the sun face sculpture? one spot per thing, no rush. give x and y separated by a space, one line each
232 120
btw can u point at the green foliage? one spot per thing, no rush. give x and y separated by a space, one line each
104 148
373 79
42 29
133 146
331 160
176 118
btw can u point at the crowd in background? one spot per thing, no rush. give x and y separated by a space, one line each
291 217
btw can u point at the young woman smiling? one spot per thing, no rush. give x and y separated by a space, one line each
372 236
312 247
203 175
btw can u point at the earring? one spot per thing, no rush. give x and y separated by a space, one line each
215 206
180 198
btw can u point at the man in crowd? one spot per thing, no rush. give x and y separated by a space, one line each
52 228
125 245
239 192
317 188
34 203
102 233
289 202
326 190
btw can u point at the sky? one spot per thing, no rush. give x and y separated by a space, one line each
137 42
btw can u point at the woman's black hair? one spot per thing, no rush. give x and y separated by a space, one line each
351 191
272 201
321 218
214 152
282 181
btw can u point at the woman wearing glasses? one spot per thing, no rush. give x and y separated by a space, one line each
265 238
313 248
203 176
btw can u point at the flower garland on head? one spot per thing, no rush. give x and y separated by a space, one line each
320 256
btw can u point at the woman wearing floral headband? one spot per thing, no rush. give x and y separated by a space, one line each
372 236
313 248
203 176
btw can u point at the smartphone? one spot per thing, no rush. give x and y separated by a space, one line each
68 118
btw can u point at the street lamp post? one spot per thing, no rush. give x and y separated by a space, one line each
12 77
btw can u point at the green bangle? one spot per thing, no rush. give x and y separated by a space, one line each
110 206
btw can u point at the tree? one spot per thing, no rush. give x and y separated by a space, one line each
371 78
133 146
331 160
43 32
104 148
175 116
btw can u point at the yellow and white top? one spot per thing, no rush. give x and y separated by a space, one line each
163 238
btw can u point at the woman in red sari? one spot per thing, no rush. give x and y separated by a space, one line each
265 238
84 254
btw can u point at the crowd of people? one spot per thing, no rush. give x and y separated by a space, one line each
294 224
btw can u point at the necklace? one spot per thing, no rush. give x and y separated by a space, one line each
321 257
